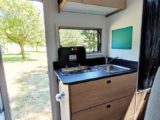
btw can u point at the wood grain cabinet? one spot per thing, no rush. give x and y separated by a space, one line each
103 99
121 4
110 111
102 7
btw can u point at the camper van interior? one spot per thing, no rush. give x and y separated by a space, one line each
103 60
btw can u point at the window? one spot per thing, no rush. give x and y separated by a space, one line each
89 38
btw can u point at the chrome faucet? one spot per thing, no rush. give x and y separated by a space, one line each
108 62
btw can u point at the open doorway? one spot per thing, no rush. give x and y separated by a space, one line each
22 38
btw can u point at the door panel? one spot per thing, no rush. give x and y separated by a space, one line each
1 105
4 101
1 109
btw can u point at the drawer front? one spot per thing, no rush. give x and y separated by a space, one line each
111 111
89 94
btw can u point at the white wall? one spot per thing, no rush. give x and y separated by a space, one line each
54 19
132 16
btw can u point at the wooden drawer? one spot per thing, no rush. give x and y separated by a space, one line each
89 94
111 111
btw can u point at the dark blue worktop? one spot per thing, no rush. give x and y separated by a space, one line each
88 76
70 79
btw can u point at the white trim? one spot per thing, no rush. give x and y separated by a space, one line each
89 55
57 35
50 35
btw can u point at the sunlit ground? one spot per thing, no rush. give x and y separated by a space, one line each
28 86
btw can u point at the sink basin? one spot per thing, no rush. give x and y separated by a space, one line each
77 70
110 68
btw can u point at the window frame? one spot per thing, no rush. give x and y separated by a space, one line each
99 37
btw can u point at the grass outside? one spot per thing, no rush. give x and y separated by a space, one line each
28 86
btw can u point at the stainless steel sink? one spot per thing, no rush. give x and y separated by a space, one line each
77 70
110 68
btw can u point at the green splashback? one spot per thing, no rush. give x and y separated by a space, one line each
122 38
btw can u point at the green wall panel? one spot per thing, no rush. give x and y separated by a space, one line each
122 38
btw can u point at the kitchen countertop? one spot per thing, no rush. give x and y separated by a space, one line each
88 76
70 79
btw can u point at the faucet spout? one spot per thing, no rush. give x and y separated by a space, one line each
108 62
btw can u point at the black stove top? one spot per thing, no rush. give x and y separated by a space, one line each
72 56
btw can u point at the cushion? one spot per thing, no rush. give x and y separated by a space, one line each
153 107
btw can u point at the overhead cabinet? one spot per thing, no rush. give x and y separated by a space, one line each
100 7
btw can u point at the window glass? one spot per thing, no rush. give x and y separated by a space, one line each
89 38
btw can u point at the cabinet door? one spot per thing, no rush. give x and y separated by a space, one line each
111 111
89 94
107 3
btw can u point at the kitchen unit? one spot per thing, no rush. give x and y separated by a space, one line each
99 99
96 93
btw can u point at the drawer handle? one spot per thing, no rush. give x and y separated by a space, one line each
108 106
109 82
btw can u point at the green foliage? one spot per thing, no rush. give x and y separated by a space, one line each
11 58
15 58
90 39
20 23
71 37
